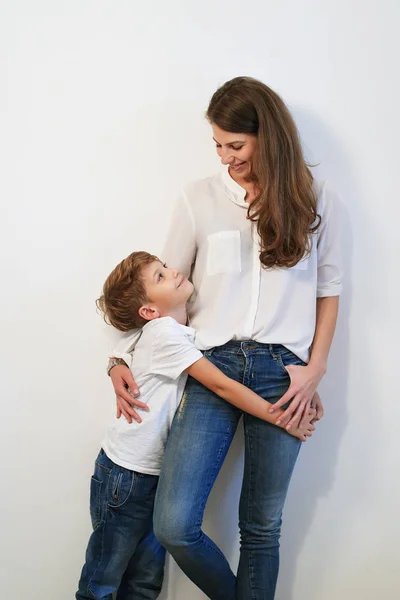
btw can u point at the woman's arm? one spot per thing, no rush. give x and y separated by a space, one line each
239 395
305 380
327 312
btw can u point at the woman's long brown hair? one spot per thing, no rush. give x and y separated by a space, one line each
285 207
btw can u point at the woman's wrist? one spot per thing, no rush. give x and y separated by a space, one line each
114 362
318 366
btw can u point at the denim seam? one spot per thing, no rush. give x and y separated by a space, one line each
249 511
98 504
106 469
214 473
101 555
202 540
282 365
103 522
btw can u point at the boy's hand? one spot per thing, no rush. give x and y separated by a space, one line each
305 427
126 392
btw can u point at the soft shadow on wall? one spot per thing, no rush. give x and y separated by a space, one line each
316 471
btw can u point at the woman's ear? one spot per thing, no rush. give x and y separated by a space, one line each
148 313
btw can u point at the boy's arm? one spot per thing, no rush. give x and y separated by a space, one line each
233 392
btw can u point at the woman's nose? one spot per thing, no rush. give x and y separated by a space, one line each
226 158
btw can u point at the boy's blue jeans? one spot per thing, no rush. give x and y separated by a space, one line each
201 434
122 556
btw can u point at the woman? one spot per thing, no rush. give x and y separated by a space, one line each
260 242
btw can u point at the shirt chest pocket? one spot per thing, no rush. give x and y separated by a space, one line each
223 252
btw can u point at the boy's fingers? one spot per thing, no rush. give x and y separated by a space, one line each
282 421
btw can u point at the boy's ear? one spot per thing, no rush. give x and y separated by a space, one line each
148 312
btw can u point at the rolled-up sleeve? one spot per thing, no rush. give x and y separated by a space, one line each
329 279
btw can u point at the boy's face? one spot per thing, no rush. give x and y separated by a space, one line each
167 289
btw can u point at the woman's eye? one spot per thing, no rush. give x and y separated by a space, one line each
239 148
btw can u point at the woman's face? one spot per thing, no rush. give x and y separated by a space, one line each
235 150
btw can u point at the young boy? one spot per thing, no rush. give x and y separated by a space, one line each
122 552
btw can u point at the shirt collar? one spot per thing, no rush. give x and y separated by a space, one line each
234 191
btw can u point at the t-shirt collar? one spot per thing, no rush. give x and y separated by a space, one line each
235 191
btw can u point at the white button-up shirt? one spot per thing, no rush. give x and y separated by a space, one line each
211 240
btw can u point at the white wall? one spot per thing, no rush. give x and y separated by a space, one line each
101 122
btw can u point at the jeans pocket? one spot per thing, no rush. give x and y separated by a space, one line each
120 486
95 501
287 357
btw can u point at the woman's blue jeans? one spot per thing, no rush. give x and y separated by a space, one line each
200 437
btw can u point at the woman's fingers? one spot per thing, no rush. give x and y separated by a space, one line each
121 375
127 410
306 416
291 410
294 421
129 398
126 404
298 409
288 395
317 404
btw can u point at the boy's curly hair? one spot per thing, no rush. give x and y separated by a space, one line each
124 292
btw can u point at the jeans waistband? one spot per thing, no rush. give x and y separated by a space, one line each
240 346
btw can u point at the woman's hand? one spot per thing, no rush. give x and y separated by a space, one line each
302 390
126 392
317 404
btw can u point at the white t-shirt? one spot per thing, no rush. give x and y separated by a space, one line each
211 239
162 353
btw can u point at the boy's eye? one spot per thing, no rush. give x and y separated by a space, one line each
165 266
160 276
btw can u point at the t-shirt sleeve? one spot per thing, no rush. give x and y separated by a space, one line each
126 346
172 351
328 245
